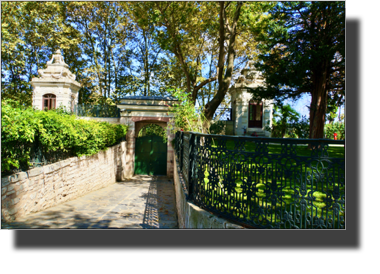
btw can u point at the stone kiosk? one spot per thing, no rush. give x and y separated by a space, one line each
249 116
56 85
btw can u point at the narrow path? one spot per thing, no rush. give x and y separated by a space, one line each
141 202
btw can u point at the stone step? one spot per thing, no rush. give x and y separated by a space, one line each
260 132
257 131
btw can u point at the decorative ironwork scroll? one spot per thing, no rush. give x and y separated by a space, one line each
267 182
186 158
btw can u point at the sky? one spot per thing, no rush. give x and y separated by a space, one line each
301 106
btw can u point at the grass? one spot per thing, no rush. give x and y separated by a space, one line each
264 186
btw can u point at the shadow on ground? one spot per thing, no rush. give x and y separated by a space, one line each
144 202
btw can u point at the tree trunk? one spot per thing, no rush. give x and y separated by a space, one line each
224 82
318 105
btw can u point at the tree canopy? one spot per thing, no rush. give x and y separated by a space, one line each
302 50
160 48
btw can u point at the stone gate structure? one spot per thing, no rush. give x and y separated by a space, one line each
56 87
139 111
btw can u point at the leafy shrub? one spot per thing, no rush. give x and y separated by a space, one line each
186 118
24 130
335 127
153 129
288 123
218 127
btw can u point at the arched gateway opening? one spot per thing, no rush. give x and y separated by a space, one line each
148 118
151 151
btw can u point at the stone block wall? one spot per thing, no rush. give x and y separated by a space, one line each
43 187
102 119
192 216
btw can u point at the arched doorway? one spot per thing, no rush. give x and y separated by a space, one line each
151 151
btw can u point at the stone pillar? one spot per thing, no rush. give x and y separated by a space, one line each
130 159
122 172
170 155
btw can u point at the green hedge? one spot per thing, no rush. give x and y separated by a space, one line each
335 127
53 132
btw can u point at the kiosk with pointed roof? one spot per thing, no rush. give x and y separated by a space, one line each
55 86
249 117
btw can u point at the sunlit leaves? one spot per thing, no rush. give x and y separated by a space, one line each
55 131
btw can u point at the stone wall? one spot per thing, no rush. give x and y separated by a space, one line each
102 119
43 187
190 215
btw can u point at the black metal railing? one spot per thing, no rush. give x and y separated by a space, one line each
106 111
265 182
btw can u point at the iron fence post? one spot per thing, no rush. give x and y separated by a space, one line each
181 152
191 163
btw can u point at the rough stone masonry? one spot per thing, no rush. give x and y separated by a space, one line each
43 187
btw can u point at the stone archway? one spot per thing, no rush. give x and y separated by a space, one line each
140 125
139 111
136 123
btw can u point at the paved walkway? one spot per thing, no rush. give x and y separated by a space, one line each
141 202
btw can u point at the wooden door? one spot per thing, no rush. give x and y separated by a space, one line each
150 155
255 115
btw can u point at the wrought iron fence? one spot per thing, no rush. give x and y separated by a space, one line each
86 110
40 156
265 182
37 155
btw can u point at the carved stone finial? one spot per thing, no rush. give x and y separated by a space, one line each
56 68
240 79
57 59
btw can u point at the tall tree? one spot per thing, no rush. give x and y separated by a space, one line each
189 31
179 32
106 35
227 37
303 51
147 53
31 31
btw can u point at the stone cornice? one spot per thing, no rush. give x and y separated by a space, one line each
55 81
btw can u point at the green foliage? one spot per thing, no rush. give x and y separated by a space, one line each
19 126
302 50
288 123
153 129
332 113
302 128
186 118
291 43
53 131
31 32
335 127
218 127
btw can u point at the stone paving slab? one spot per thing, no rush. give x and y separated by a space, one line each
142 202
